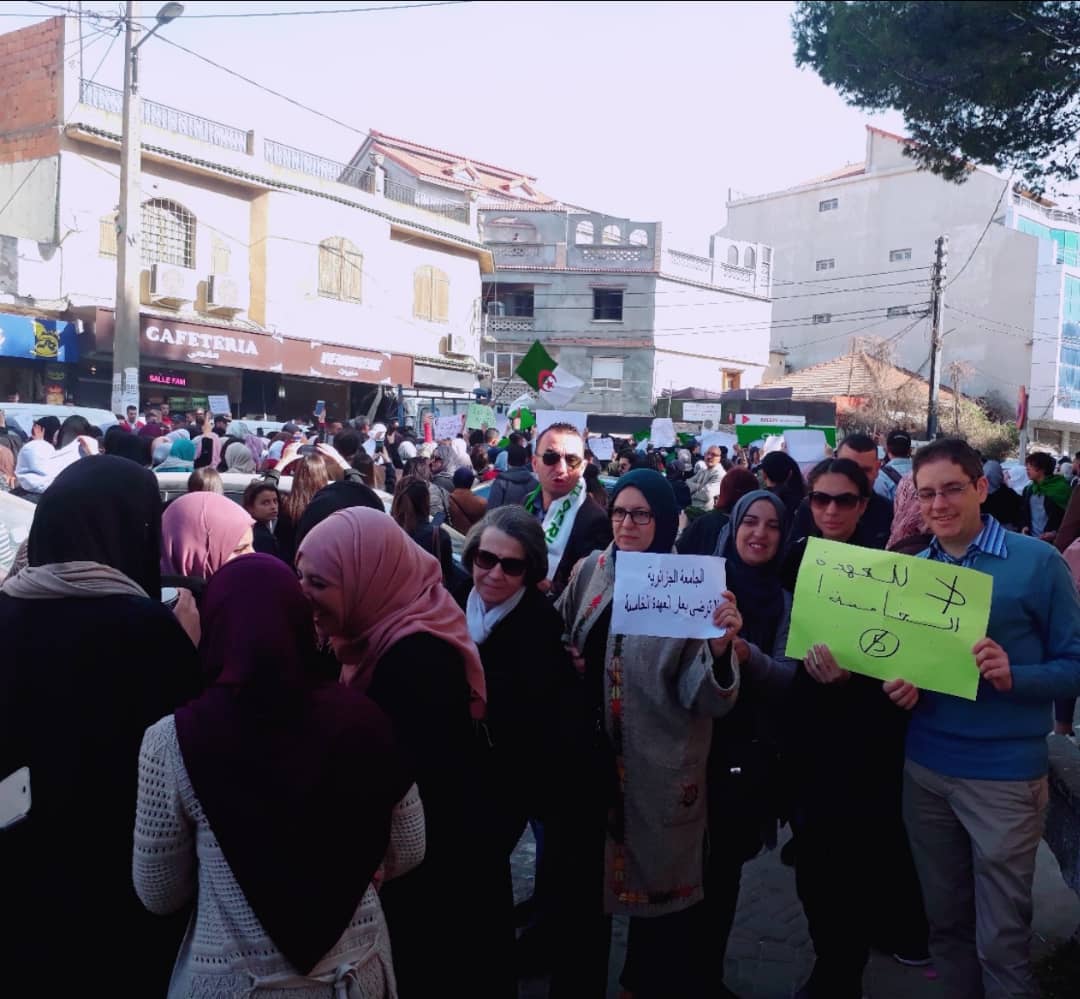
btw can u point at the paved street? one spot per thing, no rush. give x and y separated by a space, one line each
770 953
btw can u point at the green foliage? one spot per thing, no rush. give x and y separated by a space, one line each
995 83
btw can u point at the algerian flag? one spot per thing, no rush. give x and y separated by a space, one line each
539 369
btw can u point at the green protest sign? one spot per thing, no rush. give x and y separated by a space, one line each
479 417
891 616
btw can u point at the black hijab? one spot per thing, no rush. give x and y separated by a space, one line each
658 493
334 497
757 587
102 509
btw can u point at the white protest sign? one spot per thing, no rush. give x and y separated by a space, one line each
369 446
546 417
701 412
447 426
806 446
667 596
602 447
662 432
219 405
773 442
719 439
502 422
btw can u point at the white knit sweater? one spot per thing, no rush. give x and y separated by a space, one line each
227 952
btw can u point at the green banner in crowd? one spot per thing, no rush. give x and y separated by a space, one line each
479 417
891 616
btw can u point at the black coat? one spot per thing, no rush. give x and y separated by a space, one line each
875 525
703 534
510 488
80 682
591 533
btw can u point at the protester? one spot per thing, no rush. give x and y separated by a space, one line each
181 457
510 487
336 496
621 833
572 527
1001 502
89 605
898 452
412 512
309 475
45 428
206 480
200 532
703 533
281 857
1044 499
238 458
260 501
465 507
478 455
594 487
125 444
153 427
909 534
705 485
781 475
745 785
975 789
39 464
379 600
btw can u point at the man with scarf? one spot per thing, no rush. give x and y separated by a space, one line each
1045 497
572 527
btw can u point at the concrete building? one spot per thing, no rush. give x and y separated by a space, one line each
270 274
853 255
630 316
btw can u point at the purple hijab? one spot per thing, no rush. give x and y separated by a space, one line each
297 779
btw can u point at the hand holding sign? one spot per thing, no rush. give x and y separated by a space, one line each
728 618
671 596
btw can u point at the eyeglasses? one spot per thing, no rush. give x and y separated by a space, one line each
844 501
949 491
551 458
639 517
712 454
488 560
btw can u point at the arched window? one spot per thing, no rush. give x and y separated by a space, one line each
341 269
584 233
639 237
749 260
168 233
733 256
431 294
612 235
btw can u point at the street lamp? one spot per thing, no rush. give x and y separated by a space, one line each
125 386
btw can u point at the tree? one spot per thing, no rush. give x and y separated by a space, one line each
996 83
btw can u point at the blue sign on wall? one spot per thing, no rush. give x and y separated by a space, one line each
38 339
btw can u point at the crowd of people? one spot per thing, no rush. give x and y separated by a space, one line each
288 745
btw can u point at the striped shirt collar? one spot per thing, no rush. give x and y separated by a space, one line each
989 541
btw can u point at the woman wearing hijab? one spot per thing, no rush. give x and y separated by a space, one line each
909 535
634 844
781 474
181 457
256 799
238 458
200 532
379 601
845 761
80 626
1001 502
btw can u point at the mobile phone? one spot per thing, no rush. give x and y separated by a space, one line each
14 797
170 596
308 449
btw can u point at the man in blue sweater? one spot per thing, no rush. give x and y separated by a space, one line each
975 788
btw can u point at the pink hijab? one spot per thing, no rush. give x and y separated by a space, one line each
388 587
199 532
907 513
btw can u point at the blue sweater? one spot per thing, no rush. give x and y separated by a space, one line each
1035 617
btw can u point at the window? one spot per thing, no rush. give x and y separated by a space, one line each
503 363
607 304
584 233
107 234
825 265
733 256
341 269
828 205
750 259
822 317
607 373
895 255
431 294
639 237
168 234
519 303
611 236
897 310
731 380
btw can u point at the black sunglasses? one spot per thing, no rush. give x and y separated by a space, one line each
488 560
844 501
554 457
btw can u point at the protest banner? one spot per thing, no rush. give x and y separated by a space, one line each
805 446
447 426
718 438
219 405
546 417
670 596
602 447
891 616
662 432
479 417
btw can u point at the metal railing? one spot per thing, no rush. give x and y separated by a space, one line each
170 119
399 192
1050 214
314 165
405 195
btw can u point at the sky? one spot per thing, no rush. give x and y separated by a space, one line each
650 111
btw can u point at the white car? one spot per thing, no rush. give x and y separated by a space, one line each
22 415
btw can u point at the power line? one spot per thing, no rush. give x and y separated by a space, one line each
280 13
982 235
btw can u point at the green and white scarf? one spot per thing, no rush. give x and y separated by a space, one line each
558 522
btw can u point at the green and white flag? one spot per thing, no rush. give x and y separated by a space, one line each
542 373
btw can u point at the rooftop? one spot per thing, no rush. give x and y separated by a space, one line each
857 374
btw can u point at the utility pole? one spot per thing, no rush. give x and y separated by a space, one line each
125 384
937 309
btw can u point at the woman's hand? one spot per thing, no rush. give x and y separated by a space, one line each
187 613
725 616
903 694
332 454
576 658
821 665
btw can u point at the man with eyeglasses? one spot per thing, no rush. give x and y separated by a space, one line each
572 527
975 790
704 486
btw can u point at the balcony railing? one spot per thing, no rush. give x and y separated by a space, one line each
1050 214
405 195
523 254
314 165
509 324
170 119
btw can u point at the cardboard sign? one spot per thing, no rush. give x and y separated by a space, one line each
219 405
806 446
670 596
447 427
479 417
602 447
662 432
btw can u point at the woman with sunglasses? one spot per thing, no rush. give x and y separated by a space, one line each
853 868
634 843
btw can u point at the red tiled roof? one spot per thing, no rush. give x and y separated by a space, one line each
856 374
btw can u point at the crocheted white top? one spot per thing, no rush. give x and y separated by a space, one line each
227 953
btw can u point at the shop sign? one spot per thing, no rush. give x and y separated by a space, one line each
165 378
38 339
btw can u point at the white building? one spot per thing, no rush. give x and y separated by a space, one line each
853 255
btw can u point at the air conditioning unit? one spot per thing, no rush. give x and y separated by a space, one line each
171 286
224 295
461 344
